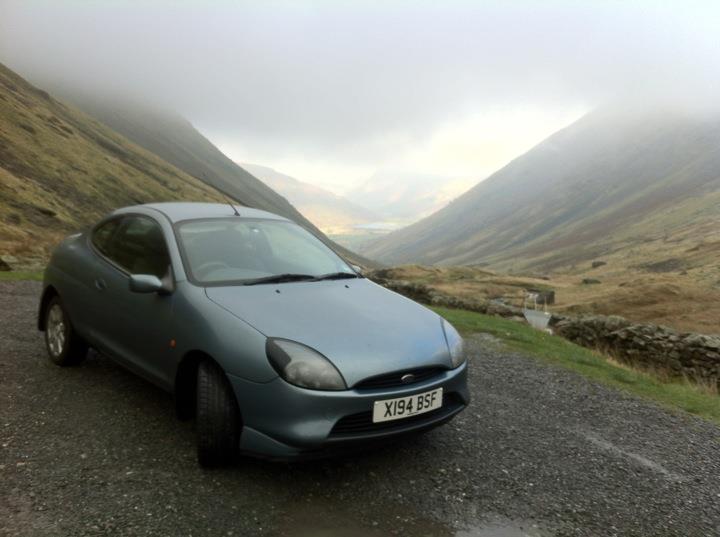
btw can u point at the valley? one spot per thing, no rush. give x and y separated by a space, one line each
627 202
332 214
635 187
647 213
384 203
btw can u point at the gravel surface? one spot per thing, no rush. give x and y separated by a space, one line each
94 450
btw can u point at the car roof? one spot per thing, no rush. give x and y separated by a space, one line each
177 211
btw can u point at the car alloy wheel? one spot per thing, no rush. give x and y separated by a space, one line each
64 345
56 330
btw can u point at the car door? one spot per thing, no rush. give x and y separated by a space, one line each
80 281
134 328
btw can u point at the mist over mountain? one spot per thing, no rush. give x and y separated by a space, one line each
405 197
347 88
175 140
639 185
331 213
61 170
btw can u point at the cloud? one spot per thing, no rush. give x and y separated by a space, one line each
361 85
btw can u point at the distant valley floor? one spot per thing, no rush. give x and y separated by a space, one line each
686 300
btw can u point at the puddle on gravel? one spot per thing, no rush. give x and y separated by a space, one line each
308 519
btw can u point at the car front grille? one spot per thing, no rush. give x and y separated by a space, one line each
394 380
362 423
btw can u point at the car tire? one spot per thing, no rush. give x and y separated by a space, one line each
64 346
218 417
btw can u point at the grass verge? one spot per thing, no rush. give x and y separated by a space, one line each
17 275
556 350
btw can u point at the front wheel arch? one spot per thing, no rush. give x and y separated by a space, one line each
218 422
186 383
48 294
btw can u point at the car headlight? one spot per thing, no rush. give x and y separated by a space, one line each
455 344
303 366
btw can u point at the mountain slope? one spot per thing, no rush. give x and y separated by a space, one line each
60 170
614 183
328 211
175 140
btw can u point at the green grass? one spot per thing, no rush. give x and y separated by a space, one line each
558 351
20 275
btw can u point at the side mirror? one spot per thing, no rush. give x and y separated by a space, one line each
357 268
146 283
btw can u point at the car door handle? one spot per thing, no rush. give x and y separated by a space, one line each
100 284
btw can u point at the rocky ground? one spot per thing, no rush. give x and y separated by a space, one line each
94 450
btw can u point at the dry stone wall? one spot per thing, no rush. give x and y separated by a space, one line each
695 356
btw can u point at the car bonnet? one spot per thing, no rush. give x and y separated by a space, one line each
362 328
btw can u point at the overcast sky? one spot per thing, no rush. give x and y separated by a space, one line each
331 92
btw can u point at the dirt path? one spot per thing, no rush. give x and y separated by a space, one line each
94 450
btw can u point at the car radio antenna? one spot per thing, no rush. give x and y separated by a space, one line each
230 203
223 194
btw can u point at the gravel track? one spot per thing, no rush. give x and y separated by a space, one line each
94 450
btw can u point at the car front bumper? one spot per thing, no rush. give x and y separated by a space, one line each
282 421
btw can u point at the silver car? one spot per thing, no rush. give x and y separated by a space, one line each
273 343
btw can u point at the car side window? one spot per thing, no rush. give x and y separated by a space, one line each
139 247
103 234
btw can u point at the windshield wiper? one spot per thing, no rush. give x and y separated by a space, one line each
336 276
290 277
280 278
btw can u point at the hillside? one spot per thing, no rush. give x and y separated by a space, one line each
175 140
331 213
637 190
60 170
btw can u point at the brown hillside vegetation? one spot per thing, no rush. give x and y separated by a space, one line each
60 170
641 295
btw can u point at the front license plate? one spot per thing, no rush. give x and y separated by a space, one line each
404 407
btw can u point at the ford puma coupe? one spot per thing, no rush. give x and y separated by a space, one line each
275 344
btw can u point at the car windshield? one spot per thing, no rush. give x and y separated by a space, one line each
247 251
